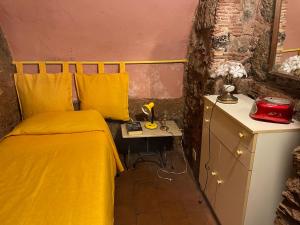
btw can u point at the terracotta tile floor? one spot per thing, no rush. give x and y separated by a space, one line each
142 198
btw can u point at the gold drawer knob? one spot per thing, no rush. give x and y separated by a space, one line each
214 173
239 152
241 135
207 107
220 182
206 120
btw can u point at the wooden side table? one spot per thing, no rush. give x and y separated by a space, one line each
173 131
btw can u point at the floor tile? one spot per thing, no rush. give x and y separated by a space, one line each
166 191
196 218
149 218
142 198
125 214
193 205
144 172
124 192
184 221
172 211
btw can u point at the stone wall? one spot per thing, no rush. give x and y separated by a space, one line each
200 58
239 26
229 30
264 82
9 111
288 211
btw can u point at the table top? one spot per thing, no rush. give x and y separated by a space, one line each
173 131
241 110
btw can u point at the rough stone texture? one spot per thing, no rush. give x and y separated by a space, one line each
197 73
265 83
172 107
267 10
229 30
9 111
296 161
260 57
288 211
243 21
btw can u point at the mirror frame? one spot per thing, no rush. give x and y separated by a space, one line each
274 42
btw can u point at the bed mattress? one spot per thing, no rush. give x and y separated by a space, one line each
58 169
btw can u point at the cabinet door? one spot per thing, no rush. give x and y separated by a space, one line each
232 189
209 158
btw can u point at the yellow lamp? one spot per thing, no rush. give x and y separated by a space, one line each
148 109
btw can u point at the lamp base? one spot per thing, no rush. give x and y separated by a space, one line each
150 125
227 98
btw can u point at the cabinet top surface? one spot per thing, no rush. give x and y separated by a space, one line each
241 110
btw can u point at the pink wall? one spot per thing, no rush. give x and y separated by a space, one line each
293 27
105 30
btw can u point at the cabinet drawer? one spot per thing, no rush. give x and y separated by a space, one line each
229 132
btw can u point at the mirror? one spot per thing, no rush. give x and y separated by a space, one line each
285 48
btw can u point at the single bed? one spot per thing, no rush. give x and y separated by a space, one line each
58 169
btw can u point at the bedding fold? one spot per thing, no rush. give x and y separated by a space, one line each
66 123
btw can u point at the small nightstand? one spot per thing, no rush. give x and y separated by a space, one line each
173 131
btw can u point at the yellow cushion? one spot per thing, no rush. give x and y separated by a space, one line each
106 93
44 93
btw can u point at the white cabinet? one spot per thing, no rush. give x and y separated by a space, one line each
244 163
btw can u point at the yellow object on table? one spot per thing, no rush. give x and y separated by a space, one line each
58 169
148 109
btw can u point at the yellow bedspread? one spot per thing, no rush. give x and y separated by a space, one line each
58 169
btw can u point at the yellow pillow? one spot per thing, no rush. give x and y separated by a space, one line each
44 93
106 93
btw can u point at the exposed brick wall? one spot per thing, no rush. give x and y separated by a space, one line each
229 30
239 24
265 83
9 111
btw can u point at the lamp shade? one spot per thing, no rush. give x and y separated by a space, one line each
146 108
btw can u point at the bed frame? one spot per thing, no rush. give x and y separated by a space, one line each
80 64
